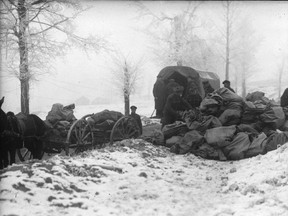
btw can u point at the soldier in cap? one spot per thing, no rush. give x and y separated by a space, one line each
136 117
226 84
284 98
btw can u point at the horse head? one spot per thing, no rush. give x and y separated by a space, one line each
3 117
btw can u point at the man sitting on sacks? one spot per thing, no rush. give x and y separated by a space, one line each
174 106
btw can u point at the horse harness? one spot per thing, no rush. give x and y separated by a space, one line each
20 127
10 132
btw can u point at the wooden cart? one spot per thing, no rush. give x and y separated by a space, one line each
82 136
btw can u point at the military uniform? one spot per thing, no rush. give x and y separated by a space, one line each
159 97
173 104
284 98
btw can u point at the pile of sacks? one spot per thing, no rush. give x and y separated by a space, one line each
227 127
104 120
59 119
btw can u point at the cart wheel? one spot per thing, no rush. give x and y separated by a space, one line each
80 137
125 128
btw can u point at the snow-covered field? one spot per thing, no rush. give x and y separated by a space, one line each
135 178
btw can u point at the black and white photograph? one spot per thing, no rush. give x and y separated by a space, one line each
143 108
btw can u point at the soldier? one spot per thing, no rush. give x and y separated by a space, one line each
174 103
192 95
170 87
136 117
226 84
284 98
207 87
159 96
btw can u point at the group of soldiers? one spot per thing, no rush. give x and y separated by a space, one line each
172 98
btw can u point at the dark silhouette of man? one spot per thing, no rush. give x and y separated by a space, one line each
136 117
207 87
170 87
226 84
192 95
174 103
159 96
284 98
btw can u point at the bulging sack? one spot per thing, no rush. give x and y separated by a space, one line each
274 115
220 134
228 95
237 148
190 140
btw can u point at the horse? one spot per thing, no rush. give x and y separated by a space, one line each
17 131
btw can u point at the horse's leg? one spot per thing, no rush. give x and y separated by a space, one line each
5 157
12 151
37 149
1 158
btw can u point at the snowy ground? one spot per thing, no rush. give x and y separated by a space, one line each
134 177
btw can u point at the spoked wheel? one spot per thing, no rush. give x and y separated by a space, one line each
125 128
80 137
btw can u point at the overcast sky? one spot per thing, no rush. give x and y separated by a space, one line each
79 75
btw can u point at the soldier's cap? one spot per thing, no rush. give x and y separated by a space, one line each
226 81
133 107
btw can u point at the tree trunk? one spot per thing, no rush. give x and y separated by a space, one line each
281 69
243 82
178 30
127 104
1 29
23 50
227 62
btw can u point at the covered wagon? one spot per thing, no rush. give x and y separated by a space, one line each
181 74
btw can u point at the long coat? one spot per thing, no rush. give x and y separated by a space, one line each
284 98
173 104
159 94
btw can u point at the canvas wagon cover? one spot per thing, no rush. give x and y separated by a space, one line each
181 73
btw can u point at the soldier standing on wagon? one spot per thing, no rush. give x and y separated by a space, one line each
159 96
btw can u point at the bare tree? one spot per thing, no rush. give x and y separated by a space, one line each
227 34
125 76
281 69
175 39
36 31
248 43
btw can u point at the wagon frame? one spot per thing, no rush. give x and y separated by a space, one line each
83 136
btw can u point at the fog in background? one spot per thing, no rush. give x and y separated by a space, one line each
79 75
